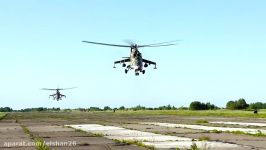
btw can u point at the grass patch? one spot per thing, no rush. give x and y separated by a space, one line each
88 133
194 147
258 134
204 138
202 121
27 131
79 130
134 142
2 115
216 131
236 132
44 116
39 142
120 142
220 112
98 134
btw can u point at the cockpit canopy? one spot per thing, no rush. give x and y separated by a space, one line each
136 53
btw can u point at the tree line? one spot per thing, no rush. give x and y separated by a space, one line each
8 109
239 104
135 108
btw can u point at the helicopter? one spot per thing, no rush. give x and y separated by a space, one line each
135 60
58 96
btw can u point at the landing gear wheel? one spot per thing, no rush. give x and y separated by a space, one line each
126 71
124 65
145 65
143 71
137 74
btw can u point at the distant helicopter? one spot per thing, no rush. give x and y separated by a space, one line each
135 59
58 96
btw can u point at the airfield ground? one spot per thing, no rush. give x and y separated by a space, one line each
22 130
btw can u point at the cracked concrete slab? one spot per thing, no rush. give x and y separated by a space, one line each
151 139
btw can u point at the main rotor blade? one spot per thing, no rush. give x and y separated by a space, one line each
106 44
68 88
156 45
129 42
47 89
161 43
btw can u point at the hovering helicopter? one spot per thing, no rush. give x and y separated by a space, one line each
58 96
135 60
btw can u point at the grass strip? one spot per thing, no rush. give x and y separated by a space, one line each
39 142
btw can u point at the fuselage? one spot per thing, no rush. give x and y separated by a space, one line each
136 60
57 96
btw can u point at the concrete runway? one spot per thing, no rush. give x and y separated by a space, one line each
104 130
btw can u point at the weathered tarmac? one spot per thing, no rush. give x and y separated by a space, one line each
12 136
51 128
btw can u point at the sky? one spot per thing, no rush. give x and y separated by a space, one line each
220 55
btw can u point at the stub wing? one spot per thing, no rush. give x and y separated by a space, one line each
149 62
122 61
52 95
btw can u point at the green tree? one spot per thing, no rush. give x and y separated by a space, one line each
122 108
238 104
196 105
138 108
241 104
107 108
257 105
264 106
231 105
95 109
5 109
210 106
